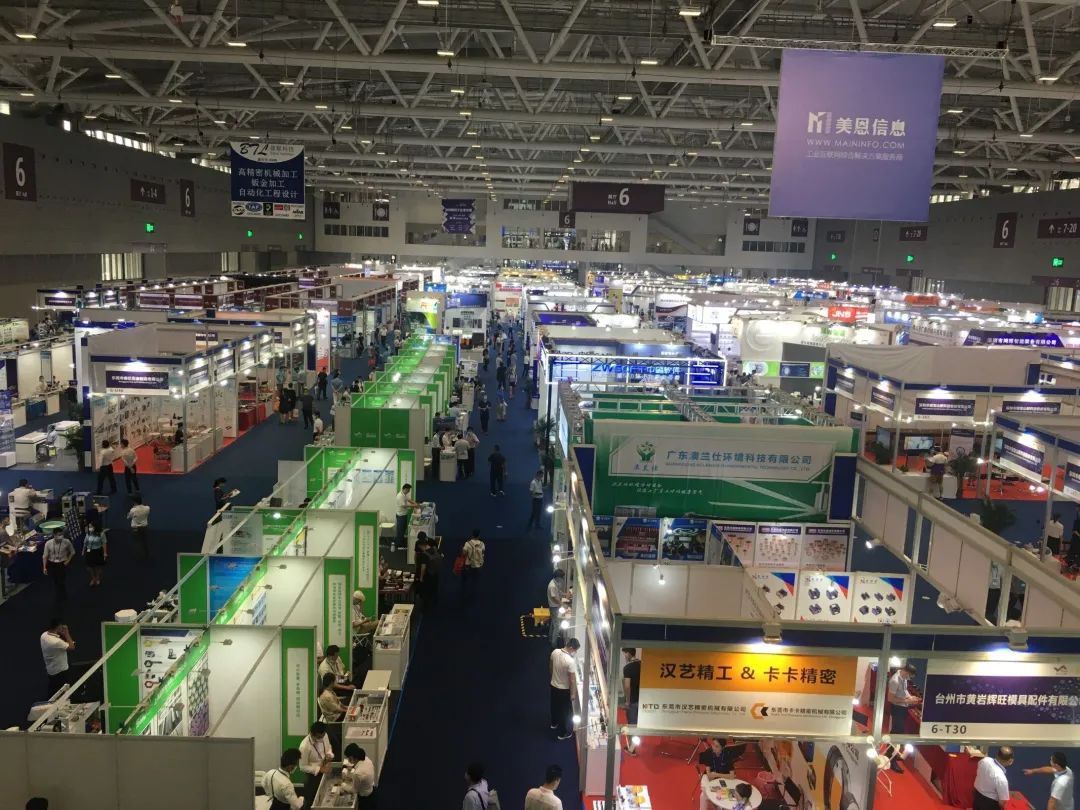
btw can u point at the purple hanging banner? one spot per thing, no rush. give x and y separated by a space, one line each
856 135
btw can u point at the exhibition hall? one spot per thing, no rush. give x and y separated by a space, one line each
590 404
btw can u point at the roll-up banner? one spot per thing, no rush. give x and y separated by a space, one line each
856 135
267 180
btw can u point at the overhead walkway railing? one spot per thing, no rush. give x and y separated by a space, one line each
954 553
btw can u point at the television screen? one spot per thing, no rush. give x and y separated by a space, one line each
884 437
920 444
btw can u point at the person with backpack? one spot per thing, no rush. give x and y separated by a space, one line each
472 560
478 796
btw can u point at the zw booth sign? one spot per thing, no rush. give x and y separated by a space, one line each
616 198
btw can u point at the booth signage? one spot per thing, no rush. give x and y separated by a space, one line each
880 598
826 547
856 136
961 441
664 457
225 366
1005 229
794 369
739 537
944 407
247 357
1030 407
996 337
1071 484
198 378
691 690
636 538
779 545
20 173
913 233
683 539
845 384
883 399
824 597
143 191
267 180
1063 228
1029 459
142 381
616 198
778 588
846 314
999 700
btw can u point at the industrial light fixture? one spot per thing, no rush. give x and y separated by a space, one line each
25 35
1018 640
176 101
457 91
585 149
286 82
689 11
945 22
959 151
235 43
770 633
1027 135
606 119
624 97
26 94
321 107
648 61
90 116
465 113
428 3
954 111
1047 78
594 138
746 123
219 121
113 76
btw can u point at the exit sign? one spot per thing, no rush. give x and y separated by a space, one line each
1057 261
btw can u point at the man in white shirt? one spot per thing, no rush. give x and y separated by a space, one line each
991 784
899 699
362 773
333 665
21 499
935 468
139 515
536 500
317 427
404 504
461 453
277 783
1055 529
1061 789
557 598
55 559
55 643
543 797
563 682
316 754
105 470
131 474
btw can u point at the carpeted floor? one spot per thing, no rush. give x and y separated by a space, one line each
476 690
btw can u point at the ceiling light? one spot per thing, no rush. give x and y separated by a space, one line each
959 151
649 61
365 140
144 134
577 160
430 3
690 11
746 124
25 35
321 107
113 76
945 22
219 121
624 97
594 138
178 143
466 113
691 154
176 101
457 91
255 137
235 43
1047 78
26 94
954 111
673 163
604 119
585 149
444 52
1027 135
90 116
470 132
286 83
345 127
962 176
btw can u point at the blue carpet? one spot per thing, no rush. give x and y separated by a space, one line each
180 506
477 690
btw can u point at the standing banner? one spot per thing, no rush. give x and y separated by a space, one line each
267 180
856 135
297 684
459 216
1001 700
745 693
337 606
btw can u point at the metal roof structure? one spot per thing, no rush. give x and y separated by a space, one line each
521 96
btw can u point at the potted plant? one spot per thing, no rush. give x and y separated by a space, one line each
543 429
996 515
963 466
73 437
882 454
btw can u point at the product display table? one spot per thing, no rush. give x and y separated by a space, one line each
391 643
422 520
366 723
72 718
26 447
721 793
630 797
330 795
376 680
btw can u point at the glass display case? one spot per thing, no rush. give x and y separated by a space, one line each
366 723
390 649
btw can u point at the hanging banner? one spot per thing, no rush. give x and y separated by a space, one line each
337 605
1001 700
459 216
824 597
779 589
616 198
944 408
143 380
856 135
267 180
826 547
636 538
1025 458
297 683
745 693
1071 484
880 598
1030 407
883 399
683 539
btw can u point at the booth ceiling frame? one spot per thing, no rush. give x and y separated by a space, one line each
510 80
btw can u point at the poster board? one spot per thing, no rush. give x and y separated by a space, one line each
824 597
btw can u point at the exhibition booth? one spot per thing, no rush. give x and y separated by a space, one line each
797 695
35 374
175 403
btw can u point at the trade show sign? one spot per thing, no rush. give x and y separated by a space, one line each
1025 458
1030 407
459 216
743 472
880 598
1001 700
856 135
944 407
145 381
824 597
267 180
745 693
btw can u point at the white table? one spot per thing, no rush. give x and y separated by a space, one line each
26 447
720 793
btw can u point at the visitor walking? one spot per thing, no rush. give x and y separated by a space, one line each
561 670
473 554
139 515
131 474
55 559
105 470
497 470
536 499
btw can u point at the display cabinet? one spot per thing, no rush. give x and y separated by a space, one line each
391 643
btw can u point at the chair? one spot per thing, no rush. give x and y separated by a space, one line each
767 783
